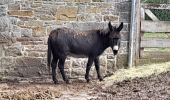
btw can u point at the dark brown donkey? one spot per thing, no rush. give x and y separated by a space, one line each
64 41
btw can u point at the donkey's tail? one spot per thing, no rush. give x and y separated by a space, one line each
49 54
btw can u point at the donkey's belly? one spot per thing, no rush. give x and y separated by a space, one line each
77 55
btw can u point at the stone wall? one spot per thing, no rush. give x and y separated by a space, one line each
25 25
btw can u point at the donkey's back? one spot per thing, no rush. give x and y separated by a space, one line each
74 42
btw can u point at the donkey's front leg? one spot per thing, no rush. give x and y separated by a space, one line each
61 67
89 64
97 66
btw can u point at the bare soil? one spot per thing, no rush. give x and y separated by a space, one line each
154 87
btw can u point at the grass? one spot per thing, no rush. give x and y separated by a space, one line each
157 49
140 71
156 35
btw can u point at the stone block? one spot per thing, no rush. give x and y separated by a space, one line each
111 18
25 32
6 65
87 26
103 60
66 13
2 2
92 9
45 17
40 48
5 24
14 50
13 6
20 24
13 20
3 9
29 67
38 31
122 61
83 1
33 24
32 42
78 72
7 61
110 66
123 7
98 0
125 17
30 39
89 17
20 13
79 62
81 8
1 50
33 54
16 31
26 6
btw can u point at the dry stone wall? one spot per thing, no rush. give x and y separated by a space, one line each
25 25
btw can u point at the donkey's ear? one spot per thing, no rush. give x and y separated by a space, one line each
110 26
120 27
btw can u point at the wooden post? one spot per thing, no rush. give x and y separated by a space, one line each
141 50
137 47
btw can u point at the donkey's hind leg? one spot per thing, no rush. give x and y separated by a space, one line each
53 65
61 67
88 66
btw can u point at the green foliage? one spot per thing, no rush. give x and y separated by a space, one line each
161 14
156 1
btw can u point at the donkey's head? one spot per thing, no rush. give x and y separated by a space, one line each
114 37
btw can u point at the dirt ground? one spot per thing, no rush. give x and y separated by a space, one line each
150 82
154 87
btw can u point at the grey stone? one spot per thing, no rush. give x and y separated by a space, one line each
78 72
110 66
2 2
123 47
122 61
1 50
88 25
7 61
3 10
14 50
5 24
124 17
26 32
29 67
123 7
90 17
81 8
13 20
16 31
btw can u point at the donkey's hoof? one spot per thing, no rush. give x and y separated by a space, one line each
88 80
101 79
67 82
56 82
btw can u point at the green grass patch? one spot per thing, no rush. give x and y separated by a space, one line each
156 35
158 49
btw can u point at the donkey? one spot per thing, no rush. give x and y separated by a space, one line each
63 42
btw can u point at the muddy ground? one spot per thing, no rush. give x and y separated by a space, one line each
154 87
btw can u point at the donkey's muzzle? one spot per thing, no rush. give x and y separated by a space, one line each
115 52
115 49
